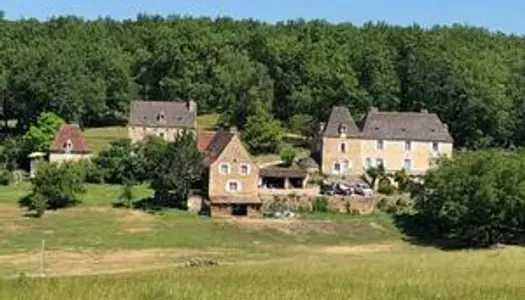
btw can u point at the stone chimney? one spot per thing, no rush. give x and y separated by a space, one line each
445 126
321 127
192 106
424 111
373 109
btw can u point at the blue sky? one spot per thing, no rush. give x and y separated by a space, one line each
503 15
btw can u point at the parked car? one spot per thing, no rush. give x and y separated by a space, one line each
363 189
330 190
345 189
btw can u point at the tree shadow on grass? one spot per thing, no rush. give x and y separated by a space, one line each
148 205
419 232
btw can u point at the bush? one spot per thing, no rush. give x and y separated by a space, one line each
288 155
55 186
385 187
475 199
93 173
320 204
6 177
383 204
403 181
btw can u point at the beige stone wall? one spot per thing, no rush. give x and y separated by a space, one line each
394 154
139 133
331 153
62 157
235 155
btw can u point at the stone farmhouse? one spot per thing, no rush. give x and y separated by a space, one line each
161 118
233 184
409 141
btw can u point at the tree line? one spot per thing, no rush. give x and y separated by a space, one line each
89 71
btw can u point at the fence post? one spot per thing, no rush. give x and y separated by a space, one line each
42 249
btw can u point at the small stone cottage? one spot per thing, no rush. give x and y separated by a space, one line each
69 145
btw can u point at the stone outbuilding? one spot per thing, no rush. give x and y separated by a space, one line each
69 145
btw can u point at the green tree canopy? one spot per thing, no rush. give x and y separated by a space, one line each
55 186
88 71
40 136
263 133
179 166
476 199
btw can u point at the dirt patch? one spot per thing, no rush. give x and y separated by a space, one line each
61 262
139 230
362 249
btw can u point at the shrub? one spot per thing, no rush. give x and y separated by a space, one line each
6 177
320 204
55 186
383 204
403 181
385 187
288 155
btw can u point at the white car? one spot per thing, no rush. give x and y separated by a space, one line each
364 189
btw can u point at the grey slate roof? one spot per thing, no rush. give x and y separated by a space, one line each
340 116
411 126
279 172
176 114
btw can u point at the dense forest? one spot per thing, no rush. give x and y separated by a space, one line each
89 71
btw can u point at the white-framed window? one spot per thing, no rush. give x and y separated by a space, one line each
345 166
233 186
380 162
407 164
342 147
224 168
368 163
408 146
379 145
245 169
435 146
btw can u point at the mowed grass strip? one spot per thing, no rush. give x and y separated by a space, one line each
404 275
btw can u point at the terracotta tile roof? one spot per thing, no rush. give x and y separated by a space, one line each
422 126
340 117
204 139
69 135
279 172
220 140
163 114
235 199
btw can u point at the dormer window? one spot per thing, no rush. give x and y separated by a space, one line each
67 146
342 128
161 116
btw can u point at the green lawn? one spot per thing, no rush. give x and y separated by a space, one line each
99 138
321 256
208 121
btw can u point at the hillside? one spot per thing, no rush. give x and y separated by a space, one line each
89 71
